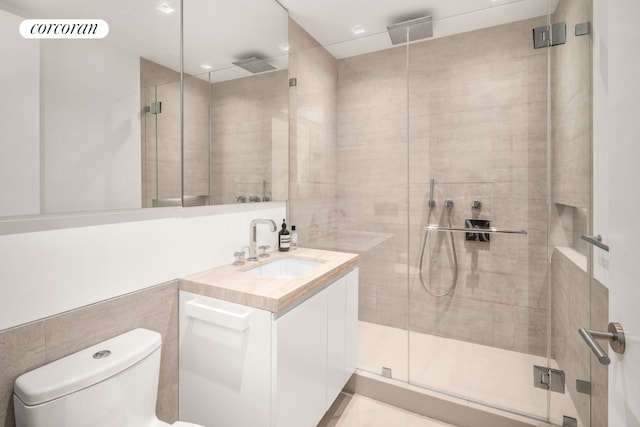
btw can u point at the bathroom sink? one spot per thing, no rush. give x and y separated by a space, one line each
284 268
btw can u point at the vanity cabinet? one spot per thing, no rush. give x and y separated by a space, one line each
300 362
243 366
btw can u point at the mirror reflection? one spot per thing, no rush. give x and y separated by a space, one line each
94 125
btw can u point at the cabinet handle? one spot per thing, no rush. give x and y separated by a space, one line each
228 319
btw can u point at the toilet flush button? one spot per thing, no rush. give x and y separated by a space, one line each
101 354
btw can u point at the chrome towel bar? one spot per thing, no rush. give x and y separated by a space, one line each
595 241
490 230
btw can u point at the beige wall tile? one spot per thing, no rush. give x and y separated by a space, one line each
22 349
250 137
312 138
571 109
248 116
570 301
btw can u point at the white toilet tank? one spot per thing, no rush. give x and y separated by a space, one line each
111 384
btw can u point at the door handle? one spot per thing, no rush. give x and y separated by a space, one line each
615 336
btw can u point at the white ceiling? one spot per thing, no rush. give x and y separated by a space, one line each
331 21
219 32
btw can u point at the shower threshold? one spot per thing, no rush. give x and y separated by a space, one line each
474 375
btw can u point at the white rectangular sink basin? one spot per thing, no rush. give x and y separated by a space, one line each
284 268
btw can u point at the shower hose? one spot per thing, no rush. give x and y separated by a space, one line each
449 206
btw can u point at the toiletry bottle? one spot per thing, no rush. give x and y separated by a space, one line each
294 238
284 238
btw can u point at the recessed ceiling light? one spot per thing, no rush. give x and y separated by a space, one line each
206 66
358 30
284 47
165 8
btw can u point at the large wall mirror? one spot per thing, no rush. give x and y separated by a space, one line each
95 125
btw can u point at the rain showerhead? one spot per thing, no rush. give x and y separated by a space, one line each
419 28
254 65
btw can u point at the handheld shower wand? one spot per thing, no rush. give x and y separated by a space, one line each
432 203
448 204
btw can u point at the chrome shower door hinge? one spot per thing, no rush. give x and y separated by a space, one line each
156 107
386 372
548 379
546 36
583 29
583 387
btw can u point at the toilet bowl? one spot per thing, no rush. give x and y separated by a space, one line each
111 384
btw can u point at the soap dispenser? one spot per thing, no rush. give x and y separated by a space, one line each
294 238
284 238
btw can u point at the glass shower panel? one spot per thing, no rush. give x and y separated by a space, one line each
197 140
168 151
348 181
372 159
161 156
149 148
479 304
571 257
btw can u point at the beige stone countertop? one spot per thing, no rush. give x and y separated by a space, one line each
233 283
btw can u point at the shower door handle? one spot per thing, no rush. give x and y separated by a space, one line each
615 336
595 241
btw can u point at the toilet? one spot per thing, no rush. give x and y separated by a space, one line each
111 384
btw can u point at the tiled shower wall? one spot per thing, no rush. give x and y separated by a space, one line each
571 296
313 173
476 107
27 347
571 129
578 301
249 129
161 151
372 176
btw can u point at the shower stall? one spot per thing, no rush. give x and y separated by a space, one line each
394 153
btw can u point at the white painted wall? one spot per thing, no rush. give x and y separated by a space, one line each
616 90
19 123
90 95
48 272
624 151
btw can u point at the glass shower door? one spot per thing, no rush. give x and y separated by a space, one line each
149 148
162 158
576 295
479 313
373 193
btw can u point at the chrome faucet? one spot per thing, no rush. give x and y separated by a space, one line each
252 232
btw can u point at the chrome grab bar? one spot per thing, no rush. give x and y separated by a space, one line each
490 230
615 336
595 241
